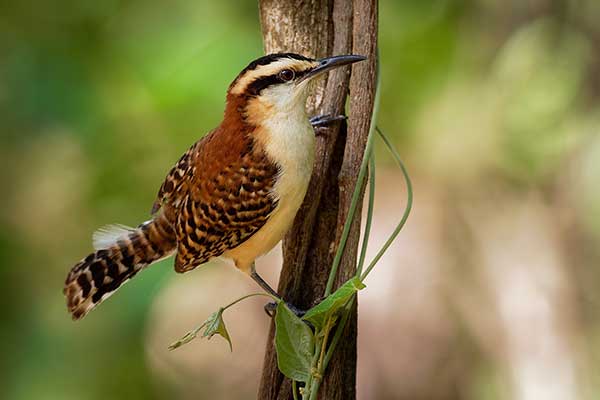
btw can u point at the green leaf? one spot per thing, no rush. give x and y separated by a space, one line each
215 325
318 314
294 343
188 337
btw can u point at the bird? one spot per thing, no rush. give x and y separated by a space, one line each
233 194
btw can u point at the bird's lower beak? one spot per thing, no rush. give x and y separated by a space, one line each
329 63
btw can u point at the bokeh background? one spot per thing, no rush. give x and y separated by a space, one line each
492 290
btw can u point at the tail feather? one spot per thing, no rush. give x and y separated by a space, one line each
100 274
108 235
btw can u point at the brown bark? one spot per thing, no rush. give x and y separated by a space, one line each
321 28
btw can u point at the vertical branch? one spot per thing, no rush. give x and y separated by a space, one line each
362 98
304 27
298 26
321 28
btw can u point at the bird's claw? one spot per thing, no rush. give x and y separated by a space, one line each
319 121
271 309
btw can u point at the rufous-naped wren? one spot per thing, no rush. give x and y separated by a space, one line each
234 193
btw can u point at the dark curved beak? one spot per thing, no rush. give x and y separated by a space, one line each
329 63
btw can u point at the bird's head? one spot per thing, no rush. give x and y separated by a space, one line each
279 82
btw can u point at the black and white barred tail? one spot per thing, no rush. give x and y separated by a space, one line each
121 253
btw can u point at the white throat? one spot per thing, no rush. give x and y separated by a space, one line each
289 140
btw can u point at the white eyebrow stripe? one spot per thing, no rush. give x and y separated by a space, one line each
267 70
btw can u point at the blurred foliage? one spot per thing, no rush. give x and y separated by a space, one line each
98 100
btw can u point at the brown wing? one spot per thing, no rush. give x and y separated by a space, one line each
175 182
219 196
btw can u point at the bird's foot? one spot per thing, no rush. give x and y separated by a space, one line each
325 120
271 309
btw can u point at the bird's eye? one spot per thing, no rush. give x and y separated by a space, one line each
287 75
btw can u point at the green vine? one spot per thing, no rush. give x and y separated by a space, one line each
350 303
306 345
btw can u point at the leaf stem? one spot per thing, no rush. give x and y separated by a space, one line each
308 388
356 194
353 205
365 241
250 295
338 332
327 329
320 365
409 201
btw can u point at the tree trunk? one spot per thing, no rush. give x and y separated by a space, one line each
320 28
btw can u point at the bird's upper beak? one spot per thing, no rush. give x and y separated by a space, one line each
329 63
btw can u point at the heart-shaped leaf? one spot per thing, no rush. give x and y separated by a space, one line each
215 325
294 343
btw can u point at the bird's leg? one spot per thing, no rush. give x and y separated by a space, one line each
324 120
262 283
270 307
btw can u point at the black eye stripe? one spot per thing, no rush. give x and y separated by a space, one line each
259 84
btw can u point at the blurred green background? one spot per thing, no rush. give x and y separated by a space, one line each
492 289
